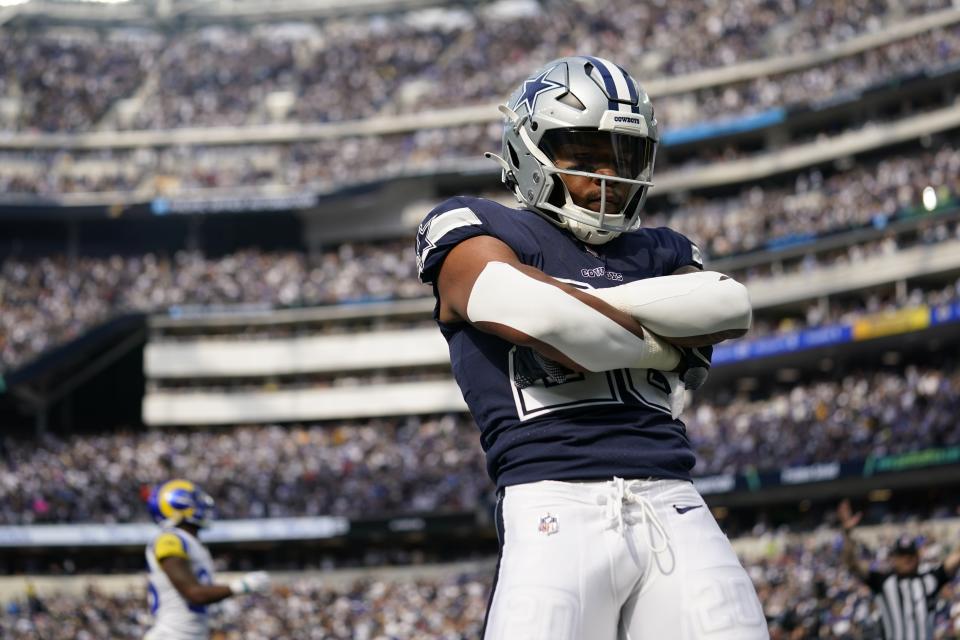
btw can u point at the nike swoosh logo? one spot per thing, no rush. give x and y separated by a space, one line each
683 510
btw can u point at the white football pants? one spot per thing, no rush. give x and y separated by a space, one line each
617 560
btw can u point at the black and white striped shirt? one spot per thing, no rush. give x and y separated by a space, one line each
906 603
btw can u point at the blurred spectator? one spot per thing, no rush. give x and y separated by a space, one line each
871 194
376 468
804 590
54 299
51 300
435 464
426 608
776 213
878 413
67 79
357 67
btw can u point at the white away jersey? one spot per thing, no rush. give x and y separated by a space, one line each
175 618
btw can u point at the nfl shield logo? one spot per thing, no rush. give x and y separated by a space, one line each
549 525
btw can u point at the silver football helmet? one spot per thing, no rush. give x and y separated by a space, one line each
580 116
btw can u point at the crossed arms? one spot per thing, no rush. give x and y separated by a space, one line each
483 282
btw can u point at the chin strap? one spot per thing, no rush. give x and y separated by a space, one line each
509 179
589 235
516 121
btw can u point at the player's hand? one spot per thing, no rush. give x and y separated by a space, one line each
848 519
529 367
694 366
253 582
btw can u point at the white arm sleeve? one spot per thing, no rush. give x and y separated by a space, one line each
691 304
507 296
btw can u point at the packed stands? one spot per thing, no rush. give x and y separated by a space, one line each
158 171
449 607
434 464
356 67
380 467
804 590
54 299
51 300
814 203
82 90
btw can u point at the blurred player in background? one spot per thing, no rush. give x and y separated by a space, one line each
573 334
905 596
181 568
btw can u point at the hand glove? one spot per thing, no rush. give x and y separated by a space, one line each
690 376
529 367
694 366
254 582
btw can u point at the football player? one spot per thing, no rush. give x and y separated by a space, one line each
573 335
181 570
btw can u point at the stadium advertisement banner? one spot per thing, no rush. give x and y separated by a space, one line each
116 535
233 203
867 328
911 460
887 324
778 345
724 127
810 473
722 483
752 480
945 314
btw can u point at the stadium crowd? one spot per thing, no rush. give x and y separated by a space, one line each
326 164
68 80
872 193
804 589
807 593
817 202
878 413
435 464
413 70
377 467
50 300
356 67
428 608
53 299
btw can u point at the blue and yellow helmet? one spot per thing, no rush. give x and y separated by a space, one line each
178 501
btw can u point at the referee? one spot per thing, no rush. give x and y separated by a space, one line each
904 597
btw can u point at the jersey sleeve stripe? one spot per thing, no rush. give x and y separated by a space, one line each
443 224
696 255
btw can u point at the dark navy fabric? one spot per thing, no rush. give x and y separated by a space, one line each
596 426
608 82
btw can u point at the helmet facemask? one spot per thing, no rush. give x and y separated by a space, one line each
204 510
611 170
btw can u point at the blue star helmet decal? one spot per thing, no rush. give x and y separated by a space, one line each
533 87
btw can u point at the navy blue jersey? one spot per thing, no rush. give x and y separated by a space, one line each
594 425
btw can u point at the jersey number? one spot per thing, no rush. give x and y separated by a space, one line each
646 387
203 577
153 598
